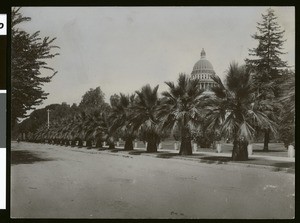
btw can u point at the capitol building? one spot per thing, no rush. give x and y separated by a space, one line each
203 70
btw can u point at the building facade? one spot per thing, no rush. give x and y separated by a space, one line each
203 70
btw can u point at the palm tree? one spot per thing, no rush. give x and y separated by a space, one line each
101 130
107 135
71 126
120 117
180 110
90 124
76 128
95 127
79 129
143 116
40 134
233 109
53 132
64 130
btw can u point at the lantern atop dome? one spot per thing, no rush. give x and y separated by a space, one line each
203 54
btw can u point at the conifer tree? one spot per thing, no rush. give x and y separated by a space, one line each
29 54
265 60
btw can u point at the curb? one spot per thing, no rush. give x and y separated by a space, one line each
269 167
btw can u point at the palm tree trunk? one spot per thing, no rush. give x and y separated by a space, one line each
186 143
80 143
73 143
128 145
111 145
266 139
66 142
239 152
89 144
186 146
151 146
99 143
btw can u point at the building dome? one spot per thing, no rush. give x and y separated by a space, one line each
203 70
203 65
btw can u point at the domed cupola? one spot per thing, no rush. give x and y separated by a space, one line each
203 70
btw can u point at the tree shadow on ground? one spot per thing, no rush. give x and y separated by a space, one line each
25 157
117 150
216 158
268 151
285 165
166 155
136 152
289 167
101 148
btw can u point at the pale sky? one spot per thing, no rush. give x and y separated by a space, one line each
121 49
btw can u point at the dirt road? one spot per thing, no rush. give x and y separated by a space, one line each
50 181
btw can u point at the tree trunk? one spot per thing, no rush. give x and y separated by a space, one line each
151 146
111 145
239 152
186 142
67 143
73 143
186 146
266 139
128 145
89 144
98 143
80 143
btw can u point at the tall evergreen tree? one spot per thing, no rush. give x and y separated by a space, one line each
265 61
29 54
287 114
